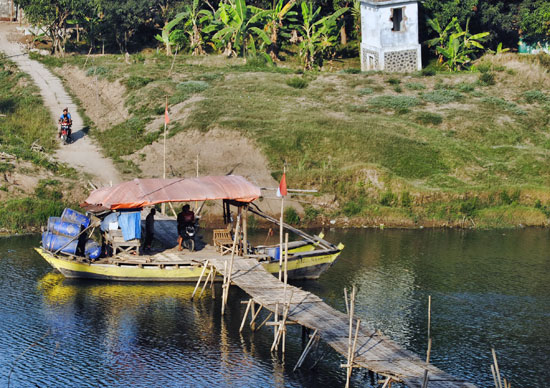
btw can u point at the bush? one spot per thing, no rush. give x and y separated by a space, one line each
393 81
487 79
398 89
394 102
465 87
99 71
406 200
441 96
135 82
297 83
415 86
537 96
311 213
428 118
365 91
351 71
428 71
290 216
388 199
186 89
353 208
469 206
484 67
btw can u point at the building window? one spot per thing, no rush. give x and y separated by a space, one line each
396 18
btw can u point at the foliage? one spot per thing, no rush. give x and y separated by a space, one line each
169 36
535 96
487 79
22 214
455 46
291 216
388 199
184 90
534 21
318 34
297 82
394 102
441 96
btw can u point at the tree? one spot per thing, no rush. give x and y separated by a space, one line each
278 21
168 37
318 35
535 21
52 16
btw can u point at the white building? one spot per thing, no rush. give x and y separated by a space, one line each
8 10
389 35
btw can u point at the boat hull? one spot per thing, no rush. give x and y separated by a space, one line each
310 267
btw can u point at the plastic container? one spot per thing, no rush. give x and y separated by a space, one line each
75 217
57 226
92 249
52 242
274 252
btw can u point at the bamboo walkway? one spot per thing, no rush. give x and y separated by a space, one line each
374 351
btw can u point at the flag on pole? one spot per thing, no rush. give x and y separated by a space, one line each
166 118
281 191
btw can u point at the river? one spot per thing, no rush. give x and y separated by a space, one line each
488 289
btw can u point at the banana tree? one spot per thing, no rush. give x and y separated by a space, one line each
318 36
239 29
453 54
278 22
168 36
196 18
443 38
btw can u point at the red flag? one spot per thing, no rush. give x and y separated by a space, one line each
281 191
166 118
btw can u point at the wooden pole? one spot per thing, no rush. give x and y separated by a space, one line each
264 322
210 274
429 315
245 315
163 207
351 312
496 368
245 231
426 379
281 232
228 282
494 375
306 351
200 278
286 264
346 300
429 350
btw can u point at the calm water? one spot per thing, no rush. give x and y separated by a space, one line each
489 289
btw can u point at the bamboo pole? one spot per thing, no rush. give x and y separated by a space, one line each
245 231
426 379
386 382
351 312
429 350
200 278
228 283
245 315
264 322
281 233
346 300
254 316
163 206
306 351
286 266
210 274
494 375
213 270
496 368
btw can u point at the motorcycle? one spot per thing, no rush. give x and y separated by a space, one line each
65 133
189 233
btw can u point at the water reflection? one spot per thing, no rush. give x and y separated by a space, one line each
489 289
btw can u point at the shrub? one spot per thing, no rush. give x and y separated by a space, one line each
441 96
537 96
99 71
406 200
469 206
388 199
415 86
394 102
398 89
487 79
185 89
297 83
503 104
365 91
428 118
484 67
351 70
135 82
428 71
393 81
311 213
48 189
465 87
353 208
290 216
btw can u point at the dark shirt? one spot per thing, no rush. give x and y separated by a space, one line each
150 224
186 218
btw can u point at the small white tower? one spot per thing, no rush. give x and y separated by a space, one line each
389 35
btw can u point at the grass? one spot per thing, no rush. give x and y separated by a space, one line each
439 147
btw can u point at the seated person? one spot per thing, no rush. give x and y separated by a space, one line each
185 218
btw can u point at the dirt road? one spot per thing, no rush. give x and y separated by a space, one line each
82 154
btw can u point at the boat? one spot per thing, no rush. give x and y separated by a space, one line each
307 257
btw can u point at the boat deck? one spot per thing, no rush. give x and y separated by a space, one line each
374 351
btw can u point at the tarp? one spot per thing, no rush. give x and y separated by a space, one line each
147 192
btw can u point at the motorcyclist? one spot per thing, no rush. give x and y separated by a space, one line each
185 218
65 119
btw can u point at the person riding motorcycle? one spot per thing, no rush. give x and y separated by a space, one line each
65 119
185 218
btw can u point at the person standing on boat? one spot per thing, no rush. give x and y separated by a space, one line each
185 218
149 230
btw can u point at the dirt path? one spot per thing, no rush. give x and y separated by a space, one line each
82 154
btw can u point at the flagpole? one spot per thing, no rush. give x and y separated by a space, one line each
281 233
164 157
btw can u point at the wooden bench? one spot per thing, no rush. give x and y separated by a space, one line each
115 239
223 242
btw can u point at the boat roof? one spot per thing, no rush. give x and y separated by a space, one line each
139 193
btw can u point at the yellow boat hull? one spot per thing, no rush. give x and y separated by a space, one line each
310 267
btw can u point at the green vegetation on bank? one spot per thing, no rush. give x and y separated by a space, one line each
25 121
442 149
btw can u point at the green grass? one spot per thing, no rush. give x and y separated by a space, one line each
439 148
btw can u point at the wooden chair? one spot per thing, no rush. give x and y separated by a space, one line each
223 242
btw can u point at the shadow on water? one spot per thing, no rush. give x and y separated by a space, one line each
489 289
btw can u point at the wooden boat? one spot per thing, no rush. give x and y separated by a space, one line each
308 257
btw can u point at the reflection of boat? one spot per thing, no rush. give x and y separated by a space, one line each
308 258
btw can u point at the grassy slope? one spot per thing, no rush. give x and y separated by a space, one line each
23 120
391 148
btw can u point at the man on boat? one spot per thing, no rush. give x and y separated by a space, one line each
185 218
149 230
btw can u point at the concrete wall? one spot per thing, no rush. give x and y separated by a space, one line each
7 10
385 49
